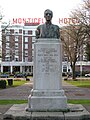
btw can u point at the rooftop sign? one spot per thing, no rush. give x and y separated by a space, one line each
41 20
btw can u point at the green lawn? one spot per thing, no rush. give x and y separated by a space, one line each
5 102
79 102
17 83
80 83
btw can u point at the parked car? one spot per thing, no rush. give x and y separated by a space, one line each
87 75
77 74
4 75
19 75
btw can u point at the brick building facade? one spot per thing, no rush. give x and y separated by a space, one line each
17 48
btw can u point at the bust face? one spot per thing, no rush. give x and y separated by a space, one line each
48 15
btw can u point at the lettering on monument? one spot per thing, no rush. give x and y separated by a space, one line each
47 60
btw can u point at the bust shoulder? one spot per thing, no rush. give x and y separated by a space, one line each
40 26
56 26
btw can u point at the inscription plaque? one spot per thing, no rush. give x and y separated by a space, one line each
48 60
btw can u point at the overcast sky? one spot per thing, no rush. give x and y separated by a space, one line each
35 8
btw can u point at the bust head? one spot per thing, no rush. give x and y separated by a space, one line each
48 30
48 14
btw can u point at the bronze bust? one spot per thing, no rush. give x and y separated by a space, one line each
48 30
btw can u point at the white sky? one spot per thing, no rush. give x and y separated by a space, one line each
35 8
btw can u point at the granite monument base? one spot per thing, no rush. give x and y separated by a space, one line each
45 100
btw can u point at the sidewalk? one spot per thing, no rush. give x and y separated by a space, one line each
16 93
73 92
22 92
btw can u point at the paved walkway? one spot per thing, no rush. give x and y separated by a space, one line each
73 92
22 92
16 93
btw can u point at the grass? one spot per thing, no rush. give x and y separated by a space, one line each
80 83
79 102
6 102
17 83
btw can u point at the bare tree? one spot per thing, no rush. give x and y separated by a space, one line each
83 15
1 15
3 29
74 36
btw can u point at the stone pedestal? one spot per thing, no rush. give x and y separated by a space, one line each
47 93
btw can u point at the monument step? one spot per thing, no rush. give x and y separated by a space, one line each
18 112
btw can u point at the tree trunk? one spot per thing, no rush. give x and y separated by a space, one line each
73 71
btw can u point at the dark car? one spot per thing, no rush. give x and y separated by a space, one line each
4 75
77 74
19 75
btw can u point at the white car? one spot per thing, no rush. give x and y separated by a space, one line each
87 75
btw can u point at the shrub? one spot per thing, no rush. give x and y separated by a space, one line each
2 83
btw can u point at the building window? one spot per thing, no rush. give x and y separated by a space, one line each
26 53
26 59
16 52
26 46
7 58
16 38
7 38
16 58
34 32
65 58
7 52
7 32
64 68
33 46
16 31
26 32
32 58
16 45
33 39
30 32
26 39
7 45
20 30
